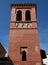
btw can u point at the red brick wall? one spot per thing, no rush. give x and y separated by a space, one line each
24 37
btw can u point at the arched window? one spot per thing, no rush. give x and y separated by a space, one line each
27 15
19 16
23 56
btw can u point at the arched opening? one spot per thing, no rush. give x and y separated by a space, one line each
23 56
19 16
27 15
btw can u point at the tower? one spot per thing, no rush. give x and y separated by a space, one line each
23 39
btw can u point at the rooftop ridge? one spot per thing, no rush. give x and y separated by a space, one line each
24 4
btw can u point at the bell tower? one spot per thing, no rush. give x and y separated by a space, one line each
24 46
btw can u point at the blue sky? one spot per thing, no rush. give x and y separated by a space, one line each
42 21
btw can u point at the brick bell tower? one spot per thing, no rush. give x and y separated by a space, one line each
23 39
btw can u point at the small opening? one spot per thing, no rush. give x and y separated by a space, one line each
23 56
23 52
27 15
19 16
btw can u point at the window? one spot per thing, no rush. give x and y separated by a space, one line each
27 15
19 16
23 56
23 52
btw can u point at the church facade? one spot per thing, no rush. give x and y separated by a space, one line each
24 46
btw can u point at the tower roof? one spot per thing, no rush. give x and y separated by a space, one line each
24 5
